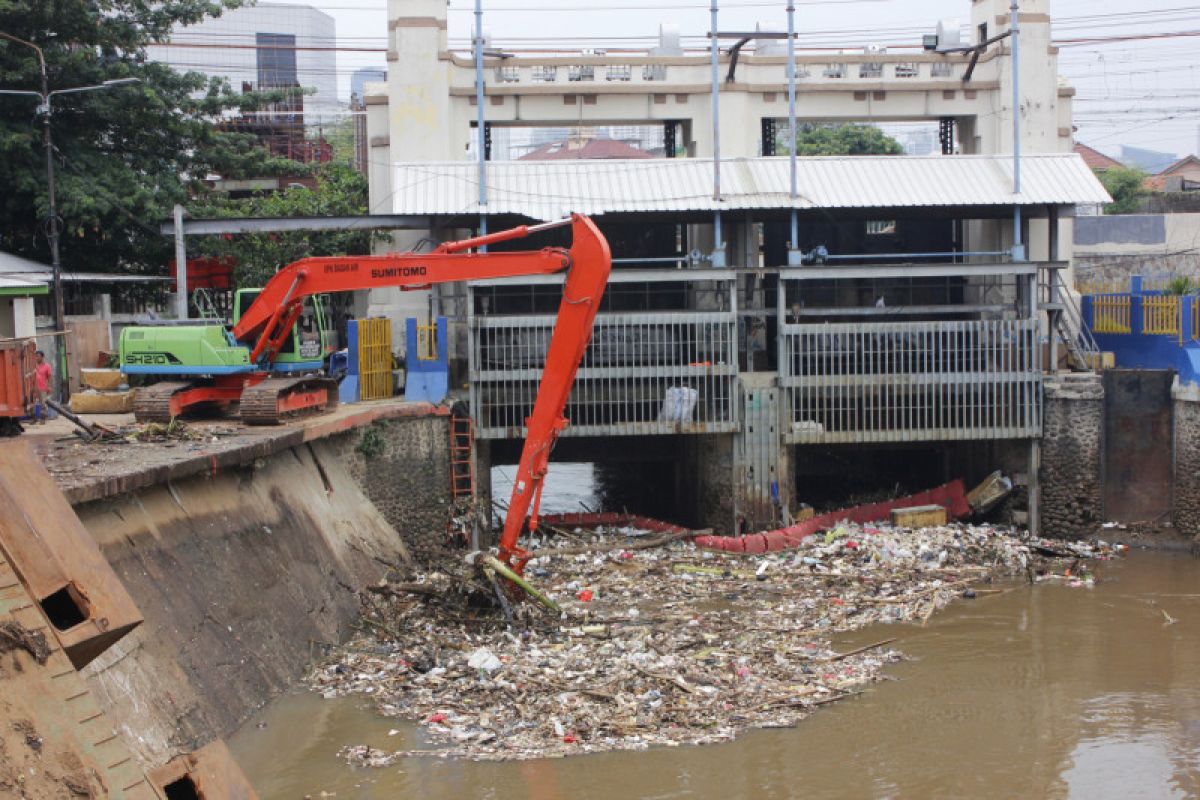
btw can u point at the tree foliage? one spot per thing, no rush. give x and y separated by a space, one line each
1126 185
845 140
124 155
339 191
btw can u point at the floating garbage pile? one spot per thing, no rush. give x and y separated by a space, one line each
657 645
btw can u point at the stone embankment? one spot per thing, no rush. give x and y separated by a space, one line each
1072 448
1186 497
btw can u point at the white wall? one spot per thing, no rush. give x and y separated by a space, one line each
17 319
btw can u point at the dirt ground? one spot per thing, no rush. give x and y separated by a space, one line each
77 465
35 764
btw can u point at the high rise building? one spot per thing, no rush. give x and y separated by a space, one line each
267 46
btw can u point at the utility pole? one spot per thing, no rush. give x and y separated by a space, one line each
53 223
53 229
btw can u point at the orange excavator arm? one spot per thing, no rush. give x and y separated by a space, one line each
270 318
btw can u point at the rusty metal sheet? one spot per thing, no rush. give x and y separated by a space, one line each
1137 445
210 771
51 719
58 561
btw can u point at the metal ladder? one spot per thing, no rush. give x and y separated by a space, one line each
462 470
206 306
463 525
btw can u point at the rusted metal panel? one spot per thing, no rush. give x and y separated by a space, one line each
58 561
208 773
1138 425
48 705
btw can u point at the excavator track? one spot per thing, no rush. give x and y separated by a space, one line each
153 403
276 399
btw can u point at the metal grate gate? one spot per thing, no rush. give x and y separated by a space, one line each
375 358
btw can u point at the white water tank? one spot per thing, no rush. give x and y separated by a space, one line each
949 34
668 40
769 47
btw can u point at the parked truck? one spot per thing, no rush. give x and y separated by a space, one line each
17 365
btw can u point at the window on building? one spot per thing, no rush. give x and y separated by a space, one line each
276 60
881 227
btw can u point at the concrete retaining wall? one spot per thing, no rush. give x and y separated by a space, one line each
243 576
1186 498
1072 451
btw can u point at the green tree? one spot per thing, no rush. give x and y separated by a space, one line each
1126 185
339 191
845 140
125 155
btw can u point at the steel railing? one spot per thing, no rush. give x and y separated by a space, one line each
644 372
1161 315
853 383
1112 313
1054 296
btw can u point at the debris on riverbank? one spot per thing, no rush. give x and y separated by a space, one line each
658 646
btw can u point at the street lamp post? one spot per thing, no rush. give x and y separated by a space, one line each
53 225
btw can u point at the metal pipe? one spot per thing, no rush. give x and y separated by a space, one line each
791 76
479 122
959 253
1018 250
546 226
718 246
657 260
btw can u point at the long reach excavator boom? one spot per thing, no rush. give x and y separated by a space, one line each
270 319
244 372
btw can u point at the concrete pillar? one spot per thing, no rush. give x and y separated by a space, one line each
707 485
1035 487
412 126
1185 497
1040 105
1069 458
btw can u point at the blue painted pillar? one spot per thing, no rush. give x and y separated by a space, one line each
1088 310
1136 313
427 380
348 388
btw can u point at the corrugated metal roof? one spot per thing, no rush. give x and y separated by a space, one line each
16 265
18 268
549 190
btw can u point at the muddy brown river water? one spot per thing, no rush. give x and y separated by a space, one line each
1044 691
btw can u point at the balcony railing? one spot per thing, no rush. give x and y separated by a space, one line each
567 69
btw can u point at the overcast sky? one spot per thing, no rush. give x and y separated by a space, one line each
1142 93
